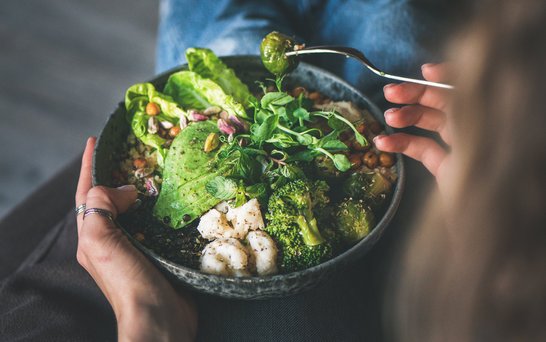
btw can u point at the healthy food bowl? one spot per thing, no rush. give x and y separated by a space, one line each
111 149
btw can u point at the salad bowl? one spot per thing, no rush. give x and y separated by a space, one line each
250 69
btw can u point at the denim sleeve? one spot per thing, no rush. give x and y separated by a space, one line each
398 36
228 27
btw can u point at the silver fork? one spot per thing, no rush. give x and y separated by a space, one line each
350 52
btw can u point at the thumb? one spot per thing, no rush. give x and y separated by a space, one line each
115 200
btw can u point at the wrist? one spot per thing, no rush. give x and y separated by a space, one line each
147 316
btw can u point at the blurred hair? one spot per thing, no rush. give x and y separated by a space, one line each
477 271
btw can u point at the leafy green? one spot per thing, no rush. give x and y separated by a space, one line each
222 187
258 191
205 63
338 122
276 99
146 91
264 131
136 99
139 125
191 90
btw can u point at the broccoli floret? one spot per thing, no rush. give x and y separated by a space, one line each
373 188
292 223
354 220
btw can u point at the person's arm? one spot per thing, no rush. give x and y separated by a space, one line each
425 108
146 306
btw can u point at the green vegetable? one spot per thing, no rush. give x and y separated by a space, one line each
188 170
136 99
170 111
257 191
373 188
205 63
222 188
293 225
139 125
354 220
191 90
272 51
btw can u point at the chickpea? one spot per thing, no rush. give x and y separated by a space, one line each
139 237
298 91
315 96
386 159
356 160
173 132
370 159
152 109
361 127
355 145
139 163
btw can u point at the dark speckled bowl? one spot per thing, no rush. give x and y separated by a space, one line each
249 69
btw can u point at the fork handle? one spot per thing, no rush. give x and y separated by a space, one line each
350 52
414 80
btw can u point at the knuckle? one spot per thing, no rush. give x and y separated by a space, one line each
81 257
98 192
85 244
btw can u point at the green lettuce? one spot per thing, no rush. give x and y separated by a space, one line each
136 99
170 110
191 90
205 63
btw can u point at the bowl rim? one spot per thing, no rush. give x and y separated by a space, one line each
339 259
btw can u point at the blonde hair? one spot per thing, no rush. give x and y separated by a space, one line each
477 269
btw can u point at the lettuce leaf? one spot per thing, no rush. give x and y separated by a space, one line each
147 91
191 90
205 63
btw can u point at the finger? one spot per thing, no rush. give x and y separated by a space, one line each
425 150
85 182
114 200
411 93
415 115
436 72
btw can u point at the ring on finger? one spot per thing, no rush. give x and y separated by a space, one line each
79 209
102 212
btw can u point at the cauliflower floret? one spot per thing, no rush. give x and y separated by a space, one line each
227 257
222 207
214 225
244 218
263 252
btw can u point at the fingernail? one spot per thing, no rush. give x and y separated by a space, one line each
427 65
388 86
391 110
129 187
377 138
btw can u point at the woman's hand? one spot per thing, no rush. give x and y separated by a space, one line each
146 306
425 108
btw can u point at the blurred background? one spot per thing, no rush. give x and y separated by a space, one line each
64 66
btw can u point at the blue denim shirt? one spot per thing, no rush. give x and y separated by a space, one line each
396 35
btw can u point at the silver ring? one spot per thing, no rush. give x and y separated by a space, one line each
102 212
79 209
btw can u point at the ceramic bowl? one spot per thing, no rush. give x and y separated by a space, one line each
249 69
